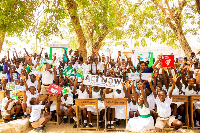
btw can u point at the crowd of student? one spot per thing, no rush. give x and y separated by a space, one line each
149 102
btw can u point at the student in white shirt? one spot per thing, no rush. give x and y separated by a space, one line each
47 77
9 107
82 93
66 102
163 103
36 116
31 92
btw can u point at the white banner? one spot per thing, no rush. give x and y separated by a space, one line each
135 76
96 80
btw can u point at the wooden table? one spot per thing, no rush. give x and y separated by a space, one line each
2 94
193 98
53 98
183 98
84 102
115 101
23 94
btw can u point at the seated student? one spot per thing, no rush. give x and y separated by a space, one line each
30 93
132 102
82 93
96 92
163 103
108 93
145 121
9 107
66 102
12 73
36 116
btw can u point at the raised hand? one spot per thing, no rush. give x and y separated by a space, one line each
175 78
149 78
37 77
127 84
23 77
122 83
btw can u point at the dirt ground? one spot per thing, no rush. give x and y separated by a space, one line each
68 128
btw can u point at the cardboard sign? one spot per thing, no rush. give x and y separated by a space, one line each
96 80
54 89
10 86
68 71
79 74
144 56
13 95
66 90
167 60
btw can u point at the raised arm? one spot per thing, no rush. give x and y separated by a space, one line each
158 60
173 85
133 91
39 84
74 89
151 86
143 94
23 78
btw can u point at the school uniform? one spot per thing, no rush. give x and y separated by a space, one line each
29 95
164 113
67 102
151 101
92 108
144 122
10 109
47 79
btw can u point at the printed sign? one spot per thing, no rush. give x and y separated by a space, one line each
79 74
96 80
68 71
144 56
135 76
54 89
167 60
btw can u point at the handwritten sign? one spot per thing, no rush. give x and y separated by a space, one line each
83 102
115 101
54 89
96 80
68 71
167 60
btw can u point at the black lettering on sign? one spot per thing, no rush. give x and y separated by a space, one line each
87 77
117 81
104 79
196 99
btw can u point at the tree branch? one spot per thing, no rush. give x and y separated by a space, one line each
198 6
180 7
159 6
169 9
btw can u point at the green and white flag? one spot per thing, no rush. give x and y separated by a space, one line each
79 74
68 71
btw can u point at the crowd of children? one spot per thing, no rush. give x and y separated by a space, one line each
149 102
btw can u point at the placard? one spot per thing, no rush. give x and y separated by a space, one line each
167 60
68 71
54 89
96 80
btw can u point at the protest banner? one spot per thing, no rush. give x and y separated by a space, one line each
135 76
96 80
54 89
68 71
167 60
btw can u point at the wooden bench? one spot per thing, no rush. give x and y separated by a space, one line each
52 98
2 94
84 102
115 101
185 99
193 98
23 94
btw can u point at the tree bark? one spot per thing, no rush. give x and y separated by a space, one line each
183 41
2 38
198 6
72 10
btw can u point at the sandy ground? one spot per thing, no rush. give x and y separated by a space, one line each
68 128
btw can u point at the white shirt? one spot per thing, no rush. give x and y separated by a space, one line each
82 95
163 108
30 95
19 69
68 101
36 112
29 83
84 67
151 101
47 77
4 102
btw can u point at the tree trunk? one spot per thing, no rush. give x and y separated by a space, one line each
198 6
2 37
72 10
183 41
